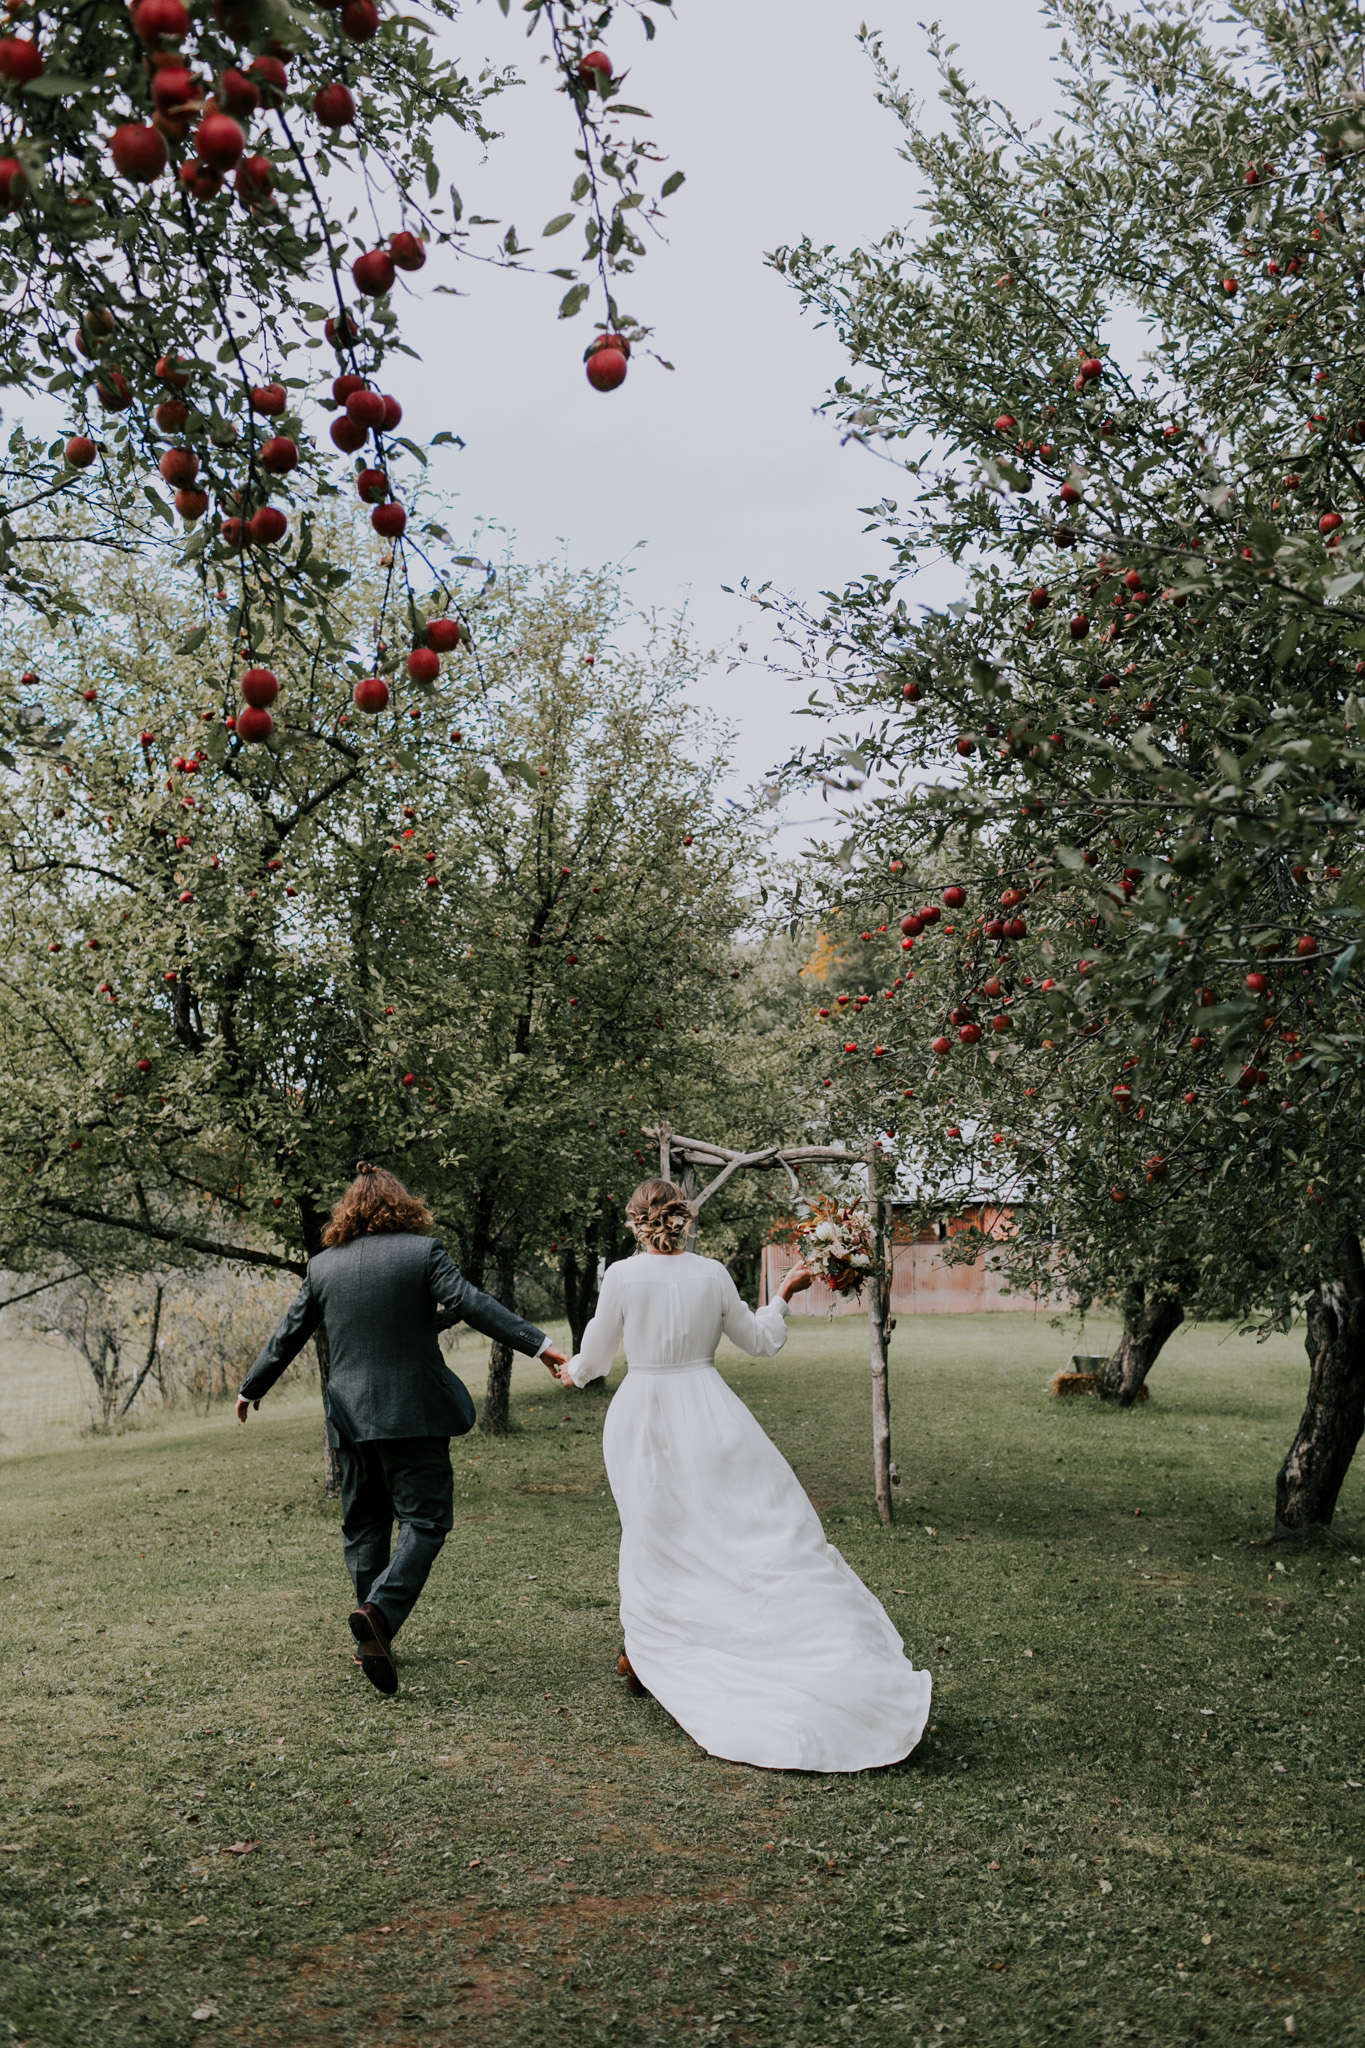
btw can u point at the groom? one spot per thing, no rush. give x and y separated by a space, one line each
383 1287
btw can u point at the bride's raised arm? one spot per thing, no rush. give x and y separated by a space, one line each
761 1333
602 1338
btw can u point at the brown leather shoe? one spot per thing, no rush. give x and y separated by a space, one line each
633 1685
372 1640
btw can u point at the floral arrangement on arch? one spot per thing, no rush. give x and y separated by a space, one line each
836 1241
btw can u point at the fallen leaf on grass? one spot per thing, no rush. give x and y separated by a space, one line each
240 1848
202 1921
11 1848
204 2012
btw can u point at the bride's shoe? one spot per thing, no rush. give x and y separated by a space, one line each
633 1685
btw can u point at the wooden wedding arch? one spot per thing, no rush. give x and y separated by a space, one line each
699 1152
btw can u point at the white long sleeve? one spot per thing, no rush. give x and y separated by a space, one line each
760 1332
602 1338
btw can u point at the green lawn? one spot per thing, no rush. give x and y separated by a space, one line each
1137 1817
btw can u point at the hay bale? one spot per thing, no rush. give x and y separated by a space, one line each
1063 1383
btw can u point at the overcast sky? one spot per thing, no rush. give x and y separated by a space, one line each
721 469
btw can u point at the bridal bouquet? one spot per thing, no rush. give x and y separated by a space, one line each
837 1244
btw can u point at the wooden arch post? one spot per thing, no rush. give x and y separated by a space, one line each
679 1159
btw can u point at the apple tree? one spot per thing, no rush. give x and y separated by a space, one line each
1110 372
471 925
211 218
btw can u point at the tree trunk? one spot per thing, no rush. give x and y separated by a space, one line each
879 1336
331 1471
1146 1326
686 1181
1320 1455
578 1272
496 1408
314 1223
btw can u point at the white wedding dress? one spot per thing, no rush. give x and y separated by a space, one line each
744 1623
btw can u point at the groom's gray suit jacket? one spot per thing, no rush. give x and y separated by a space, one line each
383 1299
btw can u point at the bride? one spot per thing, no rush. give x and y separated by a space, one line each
744 1623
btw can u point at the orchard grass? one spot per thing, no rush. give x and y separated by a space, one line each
1134 1818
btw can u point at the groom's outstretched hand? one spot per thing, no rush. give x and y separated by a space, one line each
245 1407
556 1360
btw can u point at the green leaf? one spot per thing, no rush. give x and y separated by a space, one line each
671 184
558 224
193 641
573 301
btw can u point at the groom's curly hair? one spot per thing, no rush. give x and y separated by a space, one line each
376 1201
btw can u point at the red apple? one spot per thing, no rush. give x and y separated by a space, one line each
80 451
270 75
1329 522
955 896
237 95
347 435
279 455
606 369
1091 368
965 745
20 60
388 520
424 664
171 415
1006 423
407 251
373 273
360 20
409 1080
365 408
219 142
144 1066
333 106
139 153
1040 598
929 914
343 386
232 530
1000 1023
253 182
267 526
341 331
260 687
1307 944
179 466
268 399
1155 1167
595 68
1258 984
156 22
969 1034
204 183
1230 287
444 635
114 392
1069 495
176 91
912 693
191 504
373 486
911 925
1079 626
371 694
254 726
393 413
13 183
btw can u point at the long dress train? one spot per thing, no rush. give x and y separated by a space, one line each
739 1617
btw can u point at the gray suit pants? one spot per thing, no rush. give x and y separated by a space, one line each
402 1479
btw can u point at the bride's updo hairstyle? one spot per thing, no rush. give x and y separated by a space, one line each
660 1215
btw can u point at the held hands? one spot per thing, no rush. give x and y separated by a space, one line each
557 1362
799 1278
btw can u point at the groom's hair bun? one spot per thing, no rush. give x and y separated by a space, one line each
660 1215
